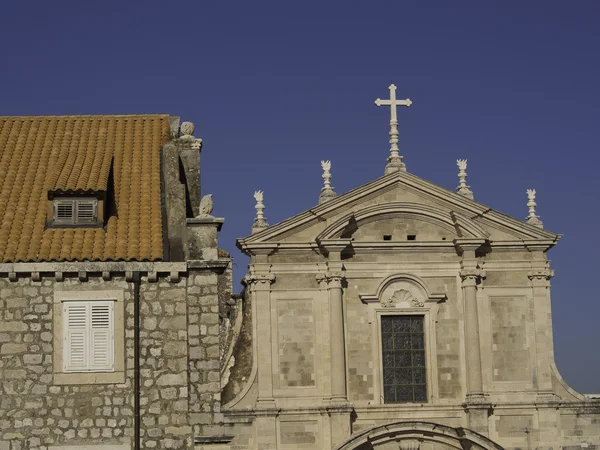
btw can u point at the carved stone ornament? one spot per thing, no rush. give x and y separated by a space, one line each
333 279
463 189
187 128
206 206
409 444
260 222
187 135
532 218
542 274
402 297
327 192
260 278
472 275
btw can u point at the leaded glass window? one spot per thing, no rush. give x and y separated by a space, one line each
403 345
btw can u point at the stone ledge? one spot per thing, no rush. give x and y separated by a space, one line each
215 264
94 266
61 379
222 439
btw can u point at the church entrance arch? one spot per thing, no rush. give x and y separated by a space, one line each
418 436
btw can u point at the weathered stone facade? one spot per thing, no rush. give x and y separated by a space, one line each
163 315
179 377
319 286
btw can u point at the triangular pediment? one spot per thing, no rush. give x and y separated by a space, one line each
400 200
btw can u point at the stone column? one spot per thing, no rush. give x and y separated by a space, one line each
477 403
339 410
260 289
470 278
547 401
540 276
333 281
259 285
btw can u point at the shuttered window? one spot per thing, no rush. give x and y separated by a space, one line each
75 211
88 336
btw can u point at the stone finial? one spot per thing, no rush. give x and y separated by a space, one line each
187 135
327 192
206 206
532 219
463 189
395 162
260 222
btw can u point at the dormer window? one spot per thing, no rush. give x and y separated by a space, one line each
75 211
80 211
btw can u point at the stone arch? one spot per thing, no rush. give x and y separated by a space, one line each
417 435
445 219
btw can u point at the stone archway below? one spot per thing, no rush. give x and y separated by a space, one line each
418 436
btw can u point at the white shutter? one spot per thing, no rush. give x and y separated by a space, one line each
88 336
76 332
101 345
64 211
86 211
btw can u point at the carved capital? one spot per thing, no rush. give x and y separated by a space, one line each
258 279
470 277
330 279
541 274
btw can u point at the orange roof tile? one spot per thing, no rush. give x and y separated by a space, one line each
50 153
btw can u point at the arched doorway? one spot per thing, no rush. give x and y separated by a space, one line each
418 436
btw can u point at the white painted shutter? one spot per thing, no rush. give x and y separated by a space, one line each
86 211
102 336
64 211
76 332
88 336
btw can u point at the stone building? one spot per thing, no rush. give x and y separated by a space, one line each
110 281
401 315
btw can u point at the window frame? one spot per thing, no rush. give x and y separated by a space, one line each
428 336
426 303
88 336
411 349
75 221
116 374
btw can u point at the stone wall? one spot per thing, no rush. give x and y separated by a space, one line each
179 366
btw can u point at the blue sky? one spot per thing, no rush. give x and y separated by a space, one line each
274 87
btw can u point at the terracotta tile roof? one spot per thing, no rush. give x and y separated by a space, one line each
38 154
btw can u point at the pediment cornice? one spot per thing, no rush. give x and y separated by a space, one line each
469 214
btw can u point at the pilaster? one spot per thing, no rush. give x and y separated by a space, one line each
540 277
259 286
477 403
332 280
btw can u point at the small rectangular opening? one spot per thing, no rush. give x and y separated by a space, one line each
411 237
387 237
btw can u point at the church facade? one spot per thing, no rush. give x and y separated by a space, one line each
402 315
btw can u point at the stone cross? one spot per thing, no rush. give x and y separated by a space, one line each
394 160
327 191
463 189
532 218
260 222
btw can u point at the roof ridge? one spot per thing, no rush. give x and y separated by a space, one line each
86 116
